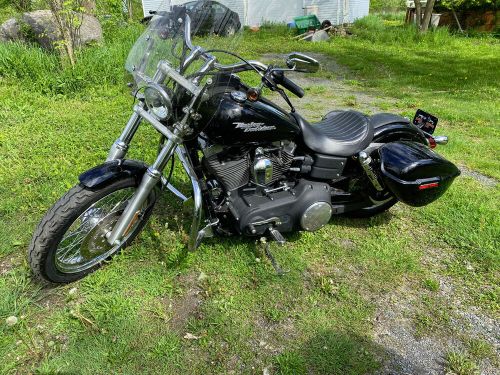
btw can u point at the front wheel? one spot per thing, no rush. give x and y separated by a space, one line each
70 241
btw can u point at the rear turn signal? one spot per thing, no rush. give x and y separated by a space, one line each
428 186
432 142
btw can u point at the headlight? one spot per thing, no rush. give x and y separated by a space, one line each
158 101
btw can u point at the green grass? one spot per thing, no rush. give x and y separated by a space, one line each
132 315
459 364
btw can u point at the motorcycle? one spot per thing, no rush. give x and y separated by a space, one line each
255 169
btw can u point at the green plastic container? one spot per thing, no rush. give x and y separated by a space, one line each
305 23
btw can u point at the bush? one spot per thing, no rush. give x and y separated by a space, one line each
375 29
96 65
386 5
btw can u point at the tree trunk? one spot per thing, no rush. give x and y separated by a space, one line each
68 22
429 7
130 10
456 19
418 14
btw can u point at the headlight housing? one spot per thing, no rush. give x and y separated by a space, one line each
158 101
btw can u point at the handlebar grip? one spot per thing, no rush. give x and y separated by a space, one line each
279 77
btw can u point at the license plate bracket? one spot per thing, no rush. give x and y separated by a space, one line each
425 121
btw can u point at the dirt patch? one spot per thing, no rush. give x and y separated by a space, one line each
484 180
6 265
187 305
334 93
393 330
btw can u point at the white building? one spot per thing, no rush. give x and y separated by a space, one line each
255 12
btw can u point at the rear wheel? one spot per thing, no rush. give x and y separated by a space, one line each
230 29
380 204
70 241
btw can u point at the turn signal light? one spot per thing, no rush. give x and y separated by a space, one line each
432 142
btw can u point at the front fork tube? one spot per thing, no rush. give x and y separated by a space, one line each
150 179
120 147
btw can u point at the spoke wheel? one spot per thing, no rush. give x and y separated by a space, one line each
70 241
85 244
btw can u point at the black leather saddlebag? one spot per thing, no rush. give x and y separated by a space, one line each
414 173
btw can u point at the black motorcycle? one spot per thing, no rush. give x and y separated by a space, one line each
255 169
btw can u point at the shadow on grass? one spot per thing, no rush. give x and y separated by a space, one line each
343 352
175 214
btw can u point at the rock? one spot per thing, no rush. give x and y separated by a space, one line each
190 336
11 321
90 31
319 36
202 277
45 30
72 291
10 31
43 27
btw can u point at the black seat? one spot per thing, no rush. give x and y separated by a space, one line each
339 133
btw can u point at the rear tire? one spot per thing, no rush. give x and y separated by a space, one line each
81 205
375 209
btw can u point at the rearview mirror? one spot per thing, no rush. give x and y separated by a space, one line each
302 63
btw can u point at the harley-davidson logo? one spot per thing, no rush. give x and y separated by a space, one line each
253 126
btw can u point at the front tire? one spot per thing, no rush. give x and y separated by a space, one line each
69 243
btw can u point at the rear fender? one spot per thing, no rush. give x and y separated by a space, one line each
112 171
398 132
390 128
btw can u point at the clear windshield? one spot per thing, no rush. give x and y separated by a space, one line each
214 25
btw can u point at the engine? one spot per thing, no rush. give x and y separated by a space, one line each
254 189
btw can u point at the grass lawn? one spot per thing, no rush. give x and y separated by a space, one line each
156 309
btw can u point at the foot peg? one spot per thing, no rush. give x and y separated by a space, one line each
277 236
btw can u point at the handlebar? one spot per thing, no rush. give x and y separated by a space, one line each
279 77
199 51
242 66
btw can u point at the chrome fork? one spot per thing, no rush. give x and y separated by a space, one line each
150 179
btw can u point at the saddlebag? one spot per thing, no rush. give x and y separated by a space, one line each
414 173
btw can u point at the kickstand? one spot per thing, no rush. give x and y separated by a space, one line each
270 256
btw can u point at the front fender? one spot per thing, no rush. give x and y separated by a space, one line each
112 171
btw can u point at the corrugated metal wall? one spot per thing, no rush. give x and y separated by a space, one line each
328 10
255 12
358 9
259 11
154 5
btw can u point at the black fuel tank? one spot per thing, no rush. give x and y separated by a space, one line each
229 119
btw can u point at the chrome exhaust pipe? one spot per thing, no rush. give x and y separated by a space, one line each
441 139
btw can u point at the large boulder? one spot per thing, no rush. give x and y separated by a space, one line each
44 29
10 31
90 30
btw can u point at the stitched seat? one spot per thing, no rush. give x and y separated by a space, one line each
339 133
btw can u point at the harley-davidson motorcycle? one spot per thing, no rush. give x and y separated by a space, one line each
256 169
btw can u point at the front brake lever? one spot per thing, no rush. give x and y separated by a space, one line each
286 98
269 83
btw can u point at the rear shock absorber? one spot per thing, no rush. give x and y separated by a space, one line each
365 161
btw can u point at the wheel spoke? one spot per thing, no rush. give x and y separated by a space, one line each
84 244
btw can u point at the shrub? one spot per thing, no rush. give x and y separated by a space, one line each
96 65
